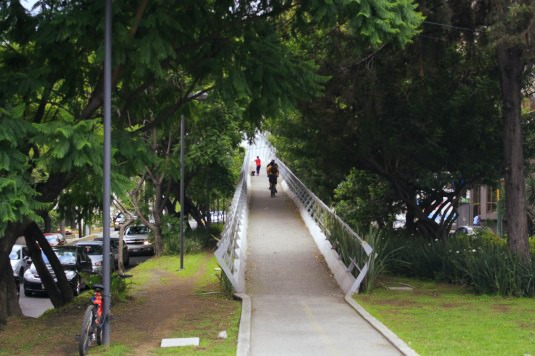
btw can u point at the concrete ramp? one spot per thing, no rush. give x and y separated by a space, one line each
297 306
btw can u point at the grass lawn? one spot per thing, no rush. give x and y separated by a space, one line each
442 319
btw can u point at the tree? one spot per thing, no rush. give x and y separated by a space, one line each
513 28
52 88
423 118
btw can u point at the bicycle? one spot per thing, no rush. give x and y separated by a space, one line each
93 322
273 186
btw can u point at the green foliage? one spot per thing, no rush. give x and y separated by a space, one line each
380 260
481 261
425 119
119 285
16 182
492 269
194 240
364 198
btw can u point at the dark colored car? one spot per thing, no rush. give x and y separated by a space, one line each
137 239
114 242
75 262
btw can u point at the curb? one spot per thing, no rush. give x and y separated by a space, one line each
381 328
244 333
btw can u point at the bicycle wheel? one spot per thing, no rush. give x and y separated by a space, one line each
88 325
272 188
99 333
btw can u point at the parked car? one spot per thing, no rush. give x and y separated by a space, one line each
217 216
76 263
114 242
95 250
55 238
20 261
469 230
137 239
119 219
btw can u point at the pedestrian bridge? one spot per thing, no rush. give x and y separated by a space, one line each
295 265
344 251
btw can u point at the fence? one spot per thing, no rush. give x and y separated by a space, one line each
349 247
353 252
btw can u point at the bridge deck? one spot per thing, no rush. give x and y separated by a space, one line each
297 307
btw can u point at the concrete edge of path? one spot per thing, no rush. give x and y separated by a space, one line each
244 331
344 278
380 327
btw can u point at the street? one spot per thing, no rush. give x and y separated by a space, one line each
36 305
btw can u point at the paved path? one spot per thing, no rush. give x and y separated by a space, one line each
297 307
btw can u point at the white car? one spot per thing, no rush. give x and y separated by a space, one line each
137 240
469 230
20 261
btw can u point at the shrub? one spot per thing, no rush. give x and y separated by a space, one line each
119 285
380 259
194 240
482 261
494 269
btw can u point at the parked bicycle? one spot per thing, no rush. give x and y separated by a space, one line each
93 321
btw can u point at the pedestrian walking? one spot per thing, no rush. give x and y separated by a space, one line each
258 165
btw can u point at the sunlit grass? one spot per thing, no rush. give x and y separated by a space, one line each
440 319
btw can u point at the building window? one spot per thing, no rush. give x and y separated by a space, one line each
492 198
476 202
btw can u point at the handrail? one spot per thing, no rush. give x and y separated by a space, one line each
231 248
352 250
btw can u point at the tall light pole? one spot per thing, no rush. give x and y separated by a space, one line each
107 169
182 129
200 97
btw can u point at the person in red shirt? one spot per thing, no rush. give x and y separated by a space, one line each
258 165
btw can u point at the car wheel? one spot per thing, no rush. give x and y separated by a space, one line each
27 293
77 287
126 262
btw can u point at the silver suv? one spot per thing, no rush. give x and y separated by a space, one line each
137 239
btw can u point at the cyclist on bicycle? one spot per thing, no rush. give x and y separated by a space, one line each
272 173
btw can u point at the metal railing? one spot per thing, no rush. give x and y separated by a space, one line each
230 252
351 249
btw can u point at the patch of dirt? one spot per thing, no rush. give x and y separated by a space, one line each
452 305
399 303
159 309
502 308
167 304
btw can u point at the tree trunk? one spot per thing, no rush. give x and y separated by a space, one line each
511 68
48 222
60 292
7 309
8 294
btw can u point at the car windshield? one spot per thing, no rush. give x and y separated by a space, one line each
93 250
65 257
51 238
138 230
15 255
